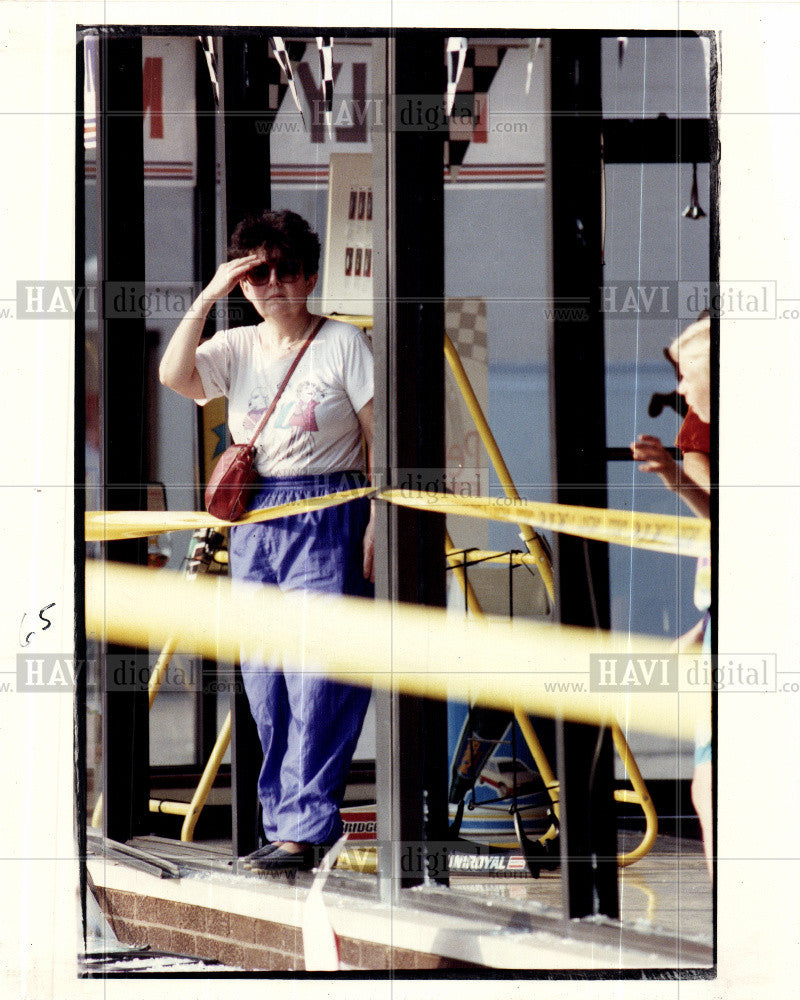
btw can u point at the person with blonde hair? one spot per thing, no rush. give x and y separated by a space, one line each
691 480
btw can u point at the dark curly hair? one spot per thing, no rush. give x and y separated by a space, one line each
284 232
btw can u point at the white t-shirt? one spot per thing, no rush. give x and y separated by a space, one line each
314 429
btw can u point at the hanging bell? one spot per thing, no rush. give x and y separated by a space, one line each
693 209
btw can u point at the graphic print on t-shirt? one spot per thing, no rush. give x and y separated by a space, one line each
299 413
257 405
315 427
296 415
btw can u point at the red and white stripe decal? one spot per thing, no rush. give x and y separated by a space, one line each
503 173
155 169
300 174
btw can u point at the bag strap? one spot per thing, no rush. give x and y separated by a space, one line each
263 421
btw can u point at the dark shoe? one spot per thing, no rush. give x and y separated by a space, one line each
249 860
281 860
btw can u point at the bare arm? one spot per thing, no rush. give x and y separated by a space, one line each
695 493
367 420
177 369
698 467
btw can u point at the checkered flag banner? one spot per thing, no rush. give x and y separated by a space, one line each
207 43
456 56
285 64
466 458
465 324
471 88
325 46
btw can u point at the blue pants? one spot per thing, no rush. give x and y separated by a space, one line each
308 725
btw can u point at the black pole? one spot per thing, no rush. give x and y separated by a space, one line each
246 69
584 753
205 264
126 758
714 255
588 821
411 764
577 345
79 496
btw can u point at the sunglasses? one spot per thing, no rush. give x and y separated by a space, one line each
285 271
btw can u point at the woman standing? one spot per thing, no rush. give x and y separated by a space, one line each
311 445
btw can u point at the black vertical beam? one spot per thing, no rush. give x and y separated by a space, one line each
126 758
245 95
411 767
714 257
205 264
578 354
383 317
588 821
585 754
79 496
248 70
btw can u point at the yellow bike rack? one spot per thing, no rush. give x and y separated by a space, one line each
191 810
529 536
637 795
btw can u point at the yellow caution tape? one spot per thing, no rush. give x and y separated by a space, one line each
115 525
458 557
685 536
539 668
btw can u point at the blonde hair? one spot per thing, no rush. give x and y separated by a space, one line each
695 342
